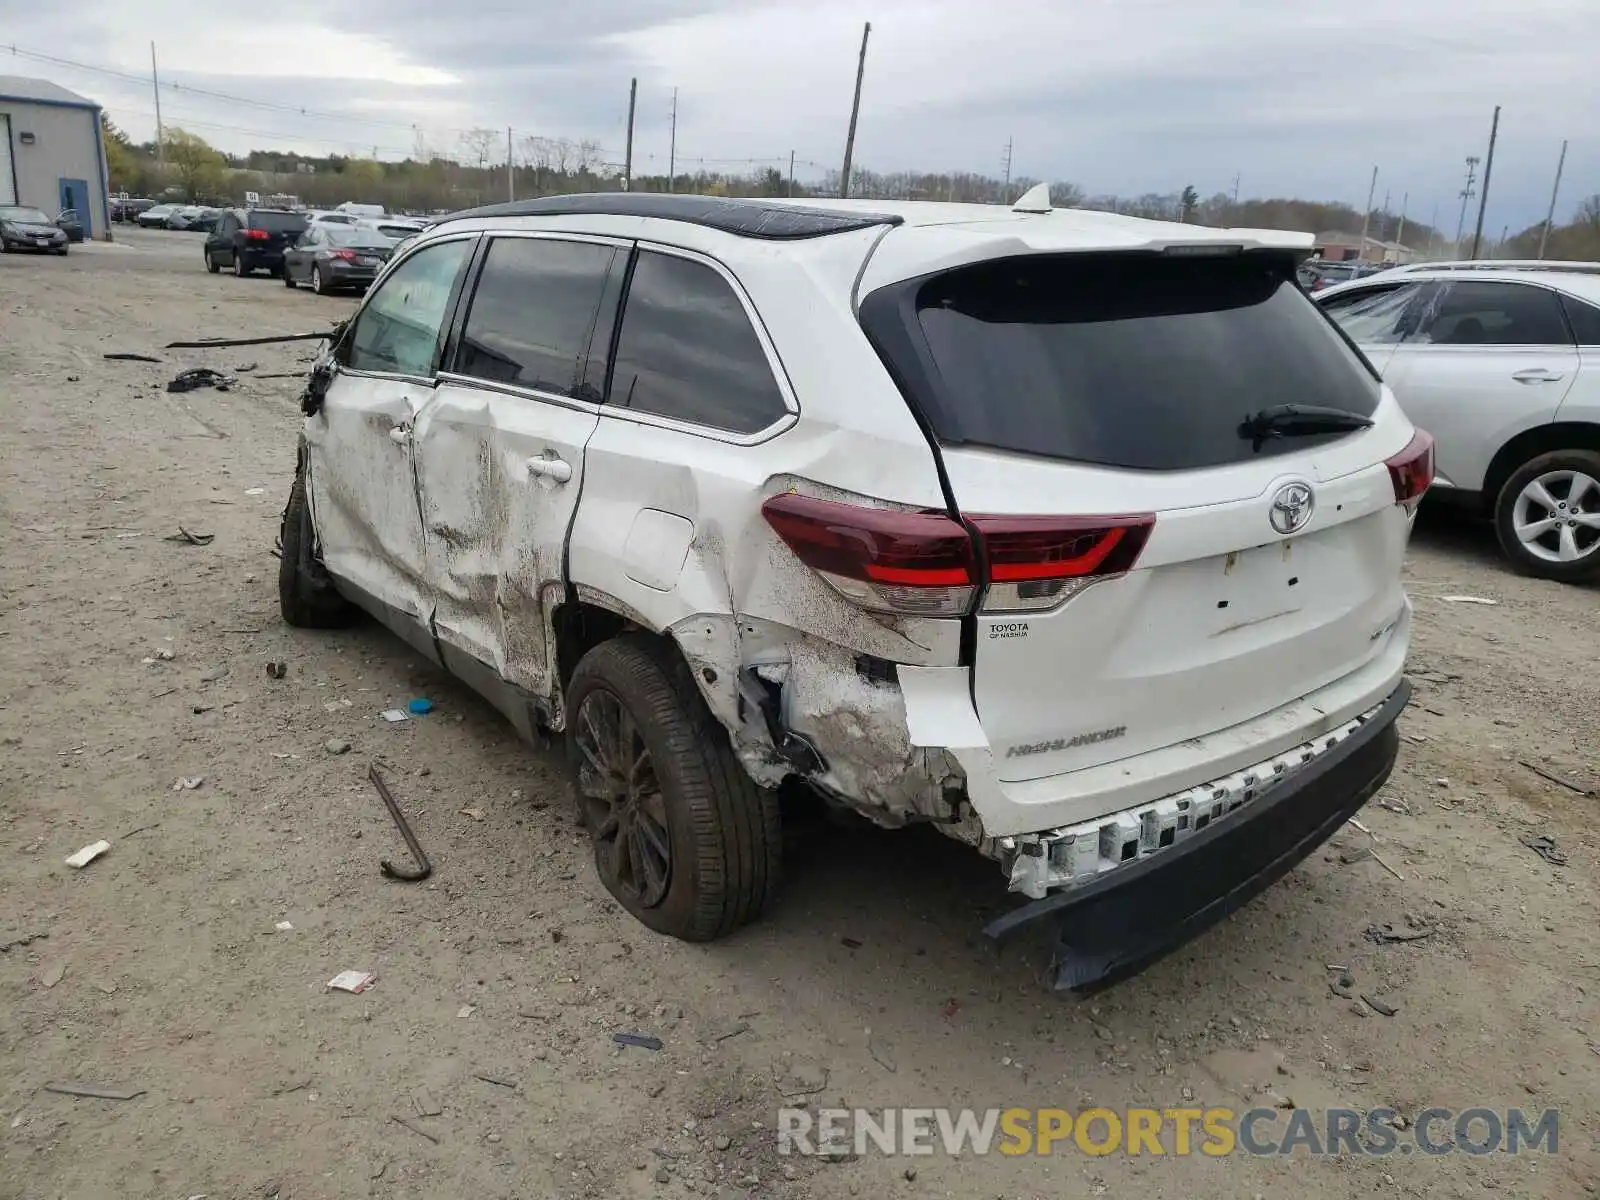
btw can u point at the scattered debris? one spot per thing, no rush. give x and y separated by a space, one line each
424 867
643 1040
850 943
354 982
223 343
283 927
465 1011
124 356
475 813
298 1086
422 1100
1468 600
188 783
414 1129
21 941
951 1007
1361 854
420 707
245 368
803 1079
336 746
498 1081
881 1053
394 716
1379 1005
93 1091
87 855
1343 985
1378 858
1354 821
199 377
277 670
214 674
52 973
334 706
192 538
723 1030
255 491
1387 932
1545 847
1545 773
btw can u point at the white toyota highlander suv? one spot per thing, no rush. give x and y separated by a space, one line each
1075 535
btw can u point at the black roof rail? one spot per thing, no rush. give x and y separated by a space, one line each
746 218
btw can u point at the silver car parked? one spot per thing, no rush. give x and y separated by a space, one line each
1502 366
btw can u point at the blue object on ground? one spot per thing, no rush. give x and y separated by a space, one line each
420 707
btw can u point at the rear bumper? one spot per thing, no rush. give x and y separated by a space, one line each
1115 926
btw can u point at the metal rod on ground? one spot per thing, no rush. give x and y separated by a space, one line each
1366 218
627 164
855 113
1544 234
155 87
1488 169
672 146
424 867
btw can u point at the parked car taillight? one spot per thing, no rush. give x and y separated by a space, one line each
927 564
343 255
257 235
1412 471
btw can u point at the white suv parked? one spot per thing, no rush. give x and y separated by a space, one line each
1075 535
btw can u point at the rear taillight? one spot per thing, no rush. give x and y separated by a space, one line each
256 235
913 563
924 563
343 255
1412 471
1038 562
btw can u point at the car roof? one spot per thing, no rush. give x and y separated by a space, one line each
1490 264
1583 284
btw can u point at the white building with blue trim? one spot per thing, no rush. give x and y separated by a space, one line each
52 156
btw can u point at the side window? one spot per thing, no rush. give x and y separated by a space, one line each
1494 314
229 224
688 351
398 330
1584 319
1377 316
533 316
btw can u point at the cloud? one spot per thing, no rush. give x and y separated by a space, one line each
1119 96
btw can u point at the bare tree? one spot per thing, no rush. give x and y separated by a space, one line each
478 147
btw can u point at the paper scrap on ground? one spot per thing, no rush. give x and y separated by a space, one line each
353 981
87 855
394 716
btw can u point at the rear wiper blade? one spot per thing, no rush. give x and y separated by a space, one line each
1298 420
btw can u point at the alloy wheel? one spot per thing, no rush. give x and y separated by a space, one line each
1556 516
623 801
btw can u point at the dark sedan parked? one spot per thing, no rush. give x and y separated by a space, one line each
250 239
335 257
29 229
67 221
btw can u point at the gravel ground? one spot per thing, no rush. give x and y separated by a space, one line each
129 661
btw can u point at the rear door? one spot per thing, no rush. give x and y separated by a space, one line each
1156 572
500 448
1484 360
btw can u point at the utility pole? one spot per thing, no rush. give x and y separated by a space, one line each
672 146
1366 218
791 173
1006 162
1466 194
1383 225
1236 189
1400 236
1544 234
627 163
855 113
155 87
1488 167
511 168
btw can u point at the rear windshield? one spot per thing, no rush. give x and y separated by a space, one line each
274 222
368 239
1140 362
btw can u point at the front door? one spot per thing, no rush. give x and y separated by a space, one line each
500 449
363 481
75 195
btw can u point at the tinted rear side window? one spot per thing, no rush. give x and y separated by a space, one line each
533 315
1129 361
1476 313
688 351
277 222
1585 320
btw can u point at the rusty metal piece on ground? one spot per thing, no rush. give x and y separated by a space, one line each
424 867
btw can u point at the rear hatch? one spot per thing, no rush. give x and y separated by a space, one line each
1161 557
274 232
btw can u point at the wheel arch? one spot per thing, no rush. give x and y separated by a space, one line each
1530 443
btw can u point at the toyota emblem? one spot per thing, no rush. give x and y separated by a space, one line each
1291 507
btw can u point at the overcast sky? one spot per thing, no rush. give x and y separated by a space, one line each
1298 97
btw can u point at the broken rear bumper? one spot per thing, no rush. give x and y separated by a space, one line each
1115 926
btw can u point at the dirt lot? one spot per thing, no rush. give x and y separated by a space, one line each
129 660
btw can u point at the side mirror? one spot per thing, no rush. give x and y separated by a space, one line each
317 387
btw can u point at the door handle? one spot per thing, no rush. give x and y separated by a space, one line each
555 469
1537 375
400 434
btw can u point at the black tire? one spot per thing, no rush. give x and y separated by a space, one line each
724 838
1587 462
288 279
306 594
62 251
319 285
276 271
240 267
211 264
